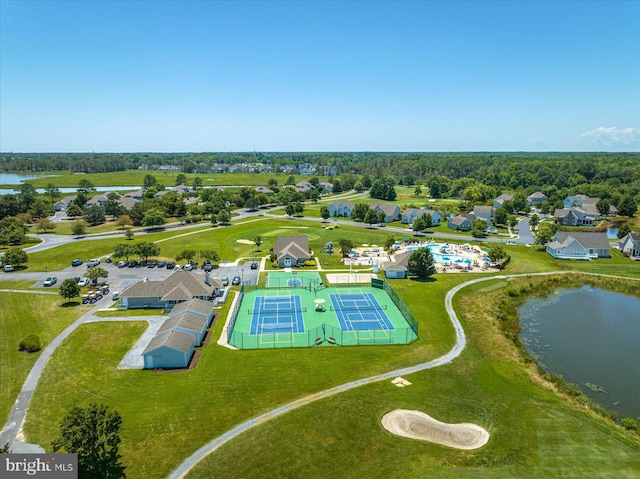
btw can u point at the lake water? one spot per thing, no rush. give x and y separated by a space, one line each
15 178
612 233
590 337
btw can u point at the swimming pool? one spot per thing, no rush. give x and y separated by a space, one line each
440 258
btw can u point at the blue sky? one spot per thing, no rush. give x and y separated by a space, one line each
319 76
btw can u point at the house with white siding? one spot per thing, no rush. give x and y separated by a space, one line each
291 250
630 244
391 212
341 208
579 245
412 214
398 267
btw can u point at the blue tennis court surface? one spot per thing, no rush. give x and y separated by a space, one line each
294 283
276 314
360 312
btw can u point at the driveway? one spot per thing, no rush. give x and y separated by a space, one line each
525 235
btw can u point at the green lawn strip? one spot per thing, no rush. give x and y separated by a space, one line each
135 178
10 284
534 433
65 227
128 312
187 409
21 315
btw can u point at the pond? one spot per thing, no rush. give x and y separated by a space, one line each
16 178
590 337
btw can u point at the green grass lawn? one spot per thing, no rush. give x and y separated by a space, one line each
10 284
64 228
20 315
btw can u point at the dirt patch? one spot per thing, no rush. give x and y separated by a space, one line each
418 425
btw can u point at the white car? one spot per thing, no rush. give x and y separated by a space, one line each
188 267
93 262
50 281
8 268
84 282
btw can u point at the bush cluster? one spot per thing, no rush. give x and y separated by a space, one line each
31 344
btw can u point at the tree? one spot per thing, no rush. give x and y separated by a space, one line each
52 191
417 191
258 242
145 250
479 229
75 210
346 245
27 195
187 254
112 207
603 206
337 186
544 234
298 208
181 179
359 211
389 242
123 250
12 231
371 217
123 220
496 253
93 434
69 289
149 181
272 183
291 180
128 233
251 204
209 255
421 263
44 225
224 217
95 273
324 212
197 183
94 215
534 221
290 209
623 231
15 257
154 217
501 216
627 206
79 228
85 186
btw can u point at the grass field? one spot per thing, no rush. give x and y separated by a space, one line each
20 315
168 416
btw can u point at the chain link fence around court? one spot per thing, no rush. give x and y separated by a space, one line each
403 308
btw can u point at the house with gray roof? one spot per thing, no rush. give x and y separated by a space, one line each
412 214
264 189
326 185
398 267
535 198
579 200
176 288
391 212
574 216
462 222
485 213
64 203
341 208
291 250
630 244
304 186
195 306
127 202
497 202
169 351
186 322
579 245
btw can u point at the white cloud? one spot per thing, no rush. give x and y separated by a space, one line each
612 137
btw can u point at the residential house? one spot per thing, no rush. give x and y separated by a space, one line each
630 244
169 351
341 208
574 217
186 322
579 200
182 190
64 203
136 195
497 202
179 286
535 198
326 185
127 202
264 189
291 250
577 245
304 186
485 213
411 214
195 306
391 212
462 222
398 267
101 200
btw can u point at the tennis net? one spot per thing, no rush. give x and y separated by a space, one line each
280 310
369 307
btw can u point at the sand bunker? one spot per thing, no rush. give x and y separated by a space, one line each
418 425
244 241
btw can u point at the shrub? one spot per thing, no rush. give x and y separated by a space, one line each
631 424
310 262
31 344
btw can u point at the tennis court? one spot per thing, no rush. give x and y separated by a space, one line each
360 312
276 314
293 279
297 317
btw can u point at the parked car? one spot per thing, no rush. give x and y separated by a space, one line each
76 262
50 281
161 264
108 260
171 265
188 267
236 281
132 264
254 265
122 264
8 268
207 267
152 264
225 281
116 296
92 263
84 282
